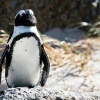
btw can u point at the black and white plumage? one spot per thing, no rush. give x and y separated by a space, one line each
25 53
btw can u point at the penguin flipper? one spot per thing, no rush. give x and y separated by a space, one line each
2 60
46 67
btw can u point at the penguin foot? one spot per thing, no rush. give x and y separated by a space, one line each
30 86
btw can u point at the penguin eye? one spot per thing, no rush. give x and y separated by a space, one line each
21 12
23 15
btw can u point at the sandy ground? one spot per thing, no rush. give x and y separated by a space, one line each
70 77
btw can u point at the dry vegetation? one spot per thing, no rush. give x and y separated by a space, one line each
59 52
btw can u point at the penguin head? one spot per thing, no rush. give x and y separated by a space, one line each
25 18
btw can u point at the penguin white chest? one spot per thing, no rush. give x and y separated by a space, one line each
24 68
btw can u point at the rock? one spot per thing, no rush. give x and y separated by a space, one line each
45 93
36 93
66 34
82 96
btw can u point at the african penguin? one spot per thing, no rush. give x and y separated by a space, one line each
25 53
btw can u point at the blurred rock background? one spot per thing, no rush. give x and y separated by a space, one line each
50 13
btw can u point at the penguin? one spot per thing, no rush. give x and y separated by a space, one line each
26 61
